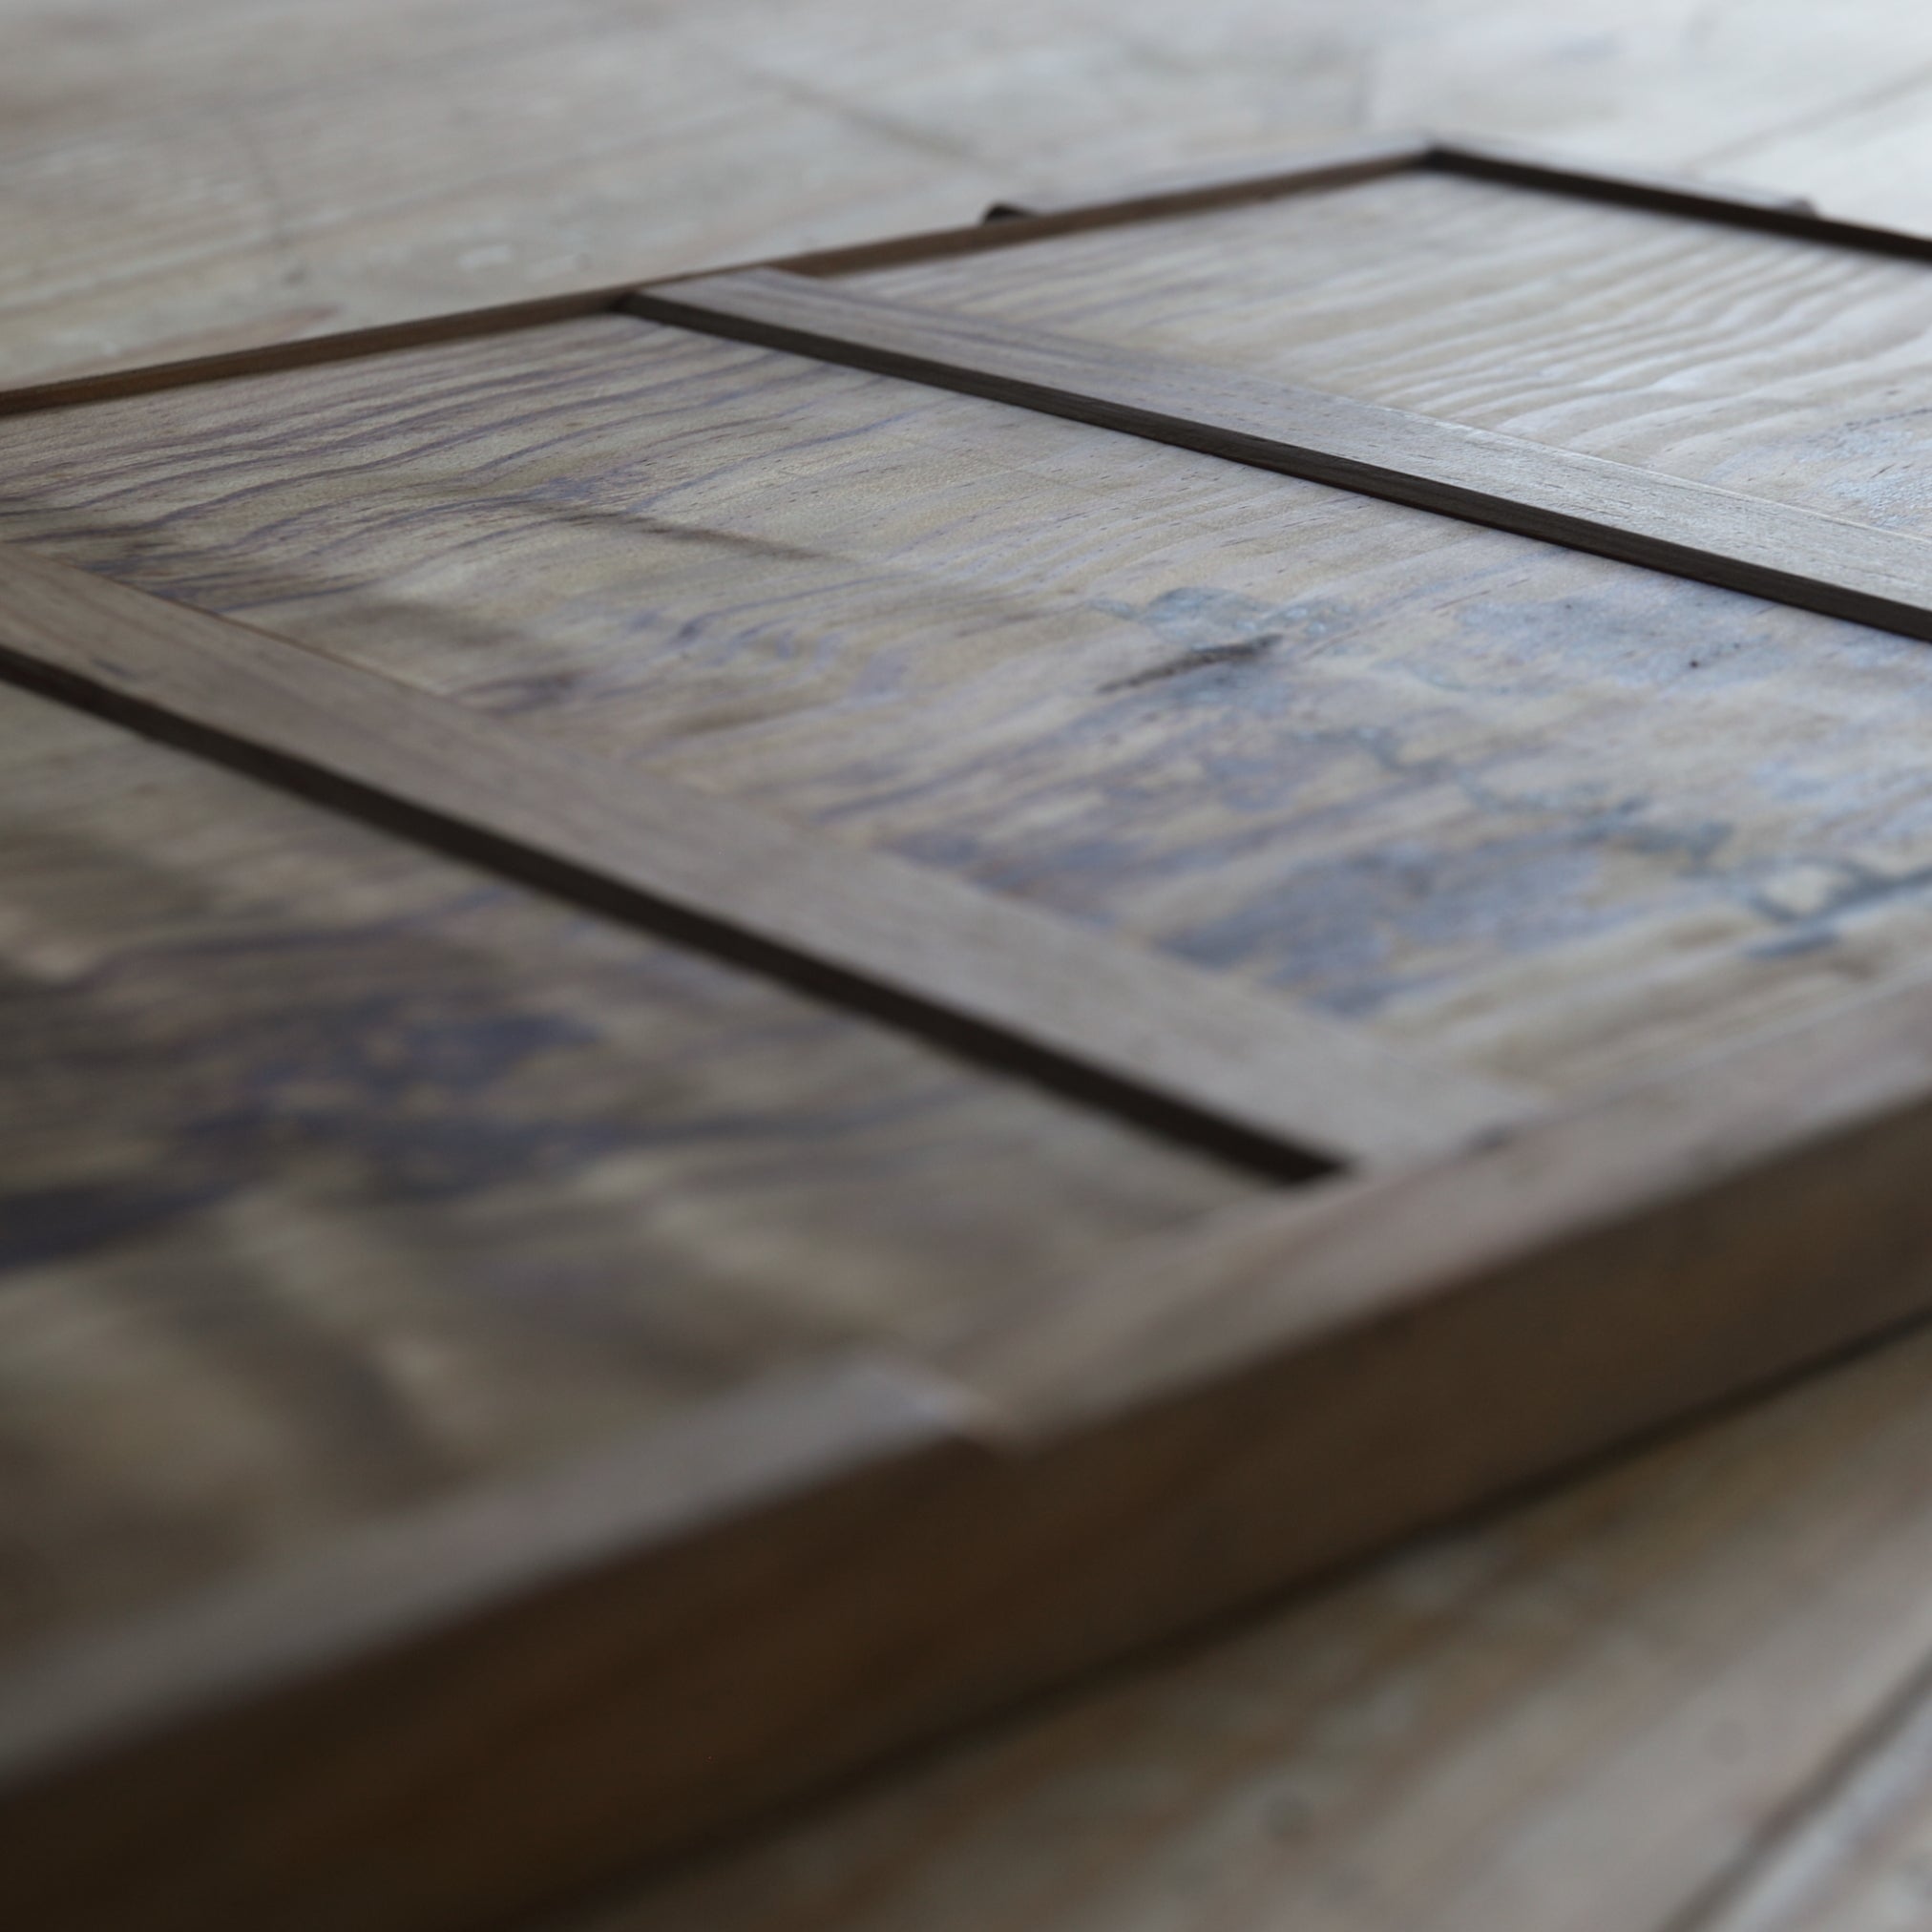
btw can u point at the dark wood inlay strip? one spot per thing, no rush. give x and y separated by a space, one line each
1769 550
1194 1055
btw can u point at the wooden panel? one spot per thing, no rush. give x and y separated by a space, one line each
1163 1437
334 1175
248 172
338 184
1449 783
1370 158
1772 366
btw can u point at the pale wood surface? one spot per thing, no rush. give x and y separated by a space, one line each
1543 489
1766 365
1645 1676
1582 1715
232 171
1448 784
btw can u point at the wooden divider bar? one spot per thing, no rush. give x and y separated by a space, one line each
1771 550
1732 204
1258 1078
309 351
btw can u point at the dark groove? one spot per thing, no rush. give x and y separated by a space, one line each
1215 656
390 338
1798 218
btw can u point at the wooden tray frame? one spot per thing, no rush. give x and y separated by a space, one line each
460 1714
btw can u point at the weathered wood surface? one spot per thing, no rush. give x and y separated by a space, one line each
1698 1641
226 173
1768 365
1371 156
338 1176
1543 490
444 1720
1117 1024
1689 1695
1450 784
1432 1335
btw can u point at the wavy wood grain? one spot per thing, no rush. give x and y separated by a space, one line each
1681 1843
1772 366
1447 783
1829 565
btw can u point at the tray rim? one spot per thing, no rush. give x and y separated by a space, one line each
1113 1480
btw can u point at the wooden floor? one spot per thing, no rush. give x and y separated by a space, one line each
1693 1693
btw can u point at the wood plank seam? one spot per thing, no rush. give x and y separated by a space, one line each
1246 1283
1876 1777
1666 523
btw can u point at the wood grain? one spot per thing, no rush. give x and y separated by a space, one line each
286 169
338 1178
1844 570
1442 782
1735 1221
444 1720
1007 223
309 351
1128 1023
1003 228
1694 1646
1263 1282
1851 1851
1770 210
1740 1242
230 174
1838 1124
1590 1712
1371 159
1778 367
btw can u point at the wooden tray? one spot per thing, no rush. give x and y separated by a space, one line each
743 1015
